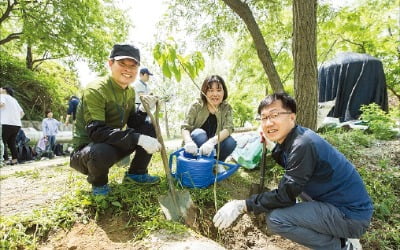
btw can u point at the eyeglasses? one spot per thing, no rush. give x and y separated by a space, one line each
273 116
125 66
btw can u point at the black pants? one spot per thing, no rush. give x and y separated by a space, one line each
95 159
9 134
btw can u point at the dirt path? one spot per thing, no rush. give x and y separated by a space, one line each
46 183
21 195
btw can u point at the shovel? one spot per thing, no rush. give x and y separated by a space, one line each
176 205
257 188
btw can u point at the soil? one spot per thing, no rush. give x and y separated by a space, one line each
48 180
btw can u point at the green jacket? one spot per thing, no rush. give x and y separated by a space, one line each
198 114
103 112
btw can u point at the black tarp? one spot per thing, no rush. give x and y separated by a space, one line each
353 79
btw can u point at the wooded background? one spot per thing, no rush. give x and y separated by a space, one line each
258 47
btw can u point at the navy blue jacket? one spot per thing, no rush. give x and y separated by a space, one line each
315 167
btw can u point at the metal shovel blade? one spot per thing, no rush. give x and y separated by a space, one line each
178 207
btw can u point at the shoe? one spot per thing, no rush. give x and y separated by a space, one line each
102 190
352 244
220 168
12 163
142 178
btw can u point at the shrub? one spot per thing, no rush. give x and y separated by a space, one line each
380 123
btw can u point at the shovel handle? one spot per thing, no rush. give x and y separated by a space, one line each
161 141
262 167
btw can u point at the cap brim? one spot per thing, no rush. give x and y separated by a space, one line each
117 58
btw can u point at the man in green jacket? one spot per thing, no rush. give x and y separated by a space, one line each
108 127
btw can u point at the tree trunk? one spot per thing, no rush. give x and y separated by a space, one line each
29 59
242 9
305 61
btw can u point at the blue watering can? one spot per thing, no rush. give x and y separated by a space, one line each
197 170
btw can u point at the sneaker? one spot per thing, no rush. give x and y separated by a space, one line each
102 190
142 178
353 244
220 168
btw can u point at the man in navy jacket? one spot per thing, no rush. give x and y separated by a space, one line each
339 207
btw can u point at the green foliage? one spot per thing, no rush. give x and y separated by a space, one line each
383 184
48 88
381 124
244 111
25 232
61 29
174 64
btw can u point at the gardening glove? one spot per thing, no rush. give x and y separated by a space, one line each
227 214
208 147
151 100
268 143
150 144
191 148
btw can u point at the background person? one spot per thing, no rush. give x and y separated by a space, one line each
100 138
206 116
141 86
50 130
71 111
339 206
10 118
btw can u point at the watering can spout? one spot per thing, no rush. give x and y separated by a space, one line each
225 174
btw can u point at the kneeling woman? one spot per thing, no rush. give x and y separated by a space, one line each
208 123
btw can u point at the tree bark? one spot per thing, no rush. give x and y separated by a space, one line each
242 9
305 61
29 57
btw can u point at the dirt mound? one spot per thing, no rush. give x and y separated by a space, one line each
93 236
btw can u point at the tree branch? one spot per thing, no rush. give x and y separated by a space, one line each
11 37
8 10
243 10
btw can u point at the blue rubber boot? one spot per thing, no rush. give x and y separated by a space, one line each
102 190
142 178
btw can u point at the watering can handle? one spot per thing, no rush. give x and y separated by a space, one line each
171 156
231 169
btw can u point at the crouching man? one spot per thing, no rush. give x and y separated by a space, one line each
338 209
100 138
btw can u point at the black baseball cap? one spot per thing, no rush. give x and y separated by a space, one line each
122 51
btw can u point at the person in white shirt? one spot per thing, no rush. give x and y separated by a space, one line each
10 119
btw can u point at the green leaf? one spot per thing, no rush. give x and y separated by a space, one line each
116 204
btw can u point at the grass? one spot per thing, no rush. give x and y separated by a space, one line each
138 206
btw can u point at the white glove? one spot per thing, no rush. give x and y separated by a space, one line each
207 147
151 100
227 214
268 143
191 148
150 144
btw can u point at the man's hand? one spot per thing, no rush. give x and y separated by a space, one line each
150 144
150 100
191 148
208 147
227 214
